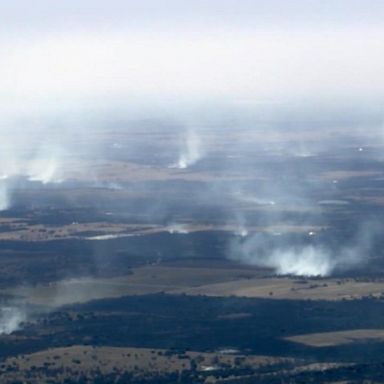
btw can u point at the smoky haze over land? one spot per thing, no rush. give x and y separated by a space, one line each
276 185
258 120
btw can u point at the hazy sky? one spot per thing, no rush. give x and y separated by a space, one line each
42 14
271 51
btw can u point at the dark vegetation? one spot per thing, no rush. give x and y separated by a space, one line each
46 261
183 323
200 324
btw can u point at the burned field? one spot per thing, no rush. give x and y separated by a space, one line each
233 269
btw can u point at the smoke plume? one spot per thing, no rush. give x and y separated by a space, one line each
190 150
303 259
11 319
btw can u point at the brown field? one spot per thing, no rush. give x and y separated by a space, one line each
91 362
65 362
22 230
221 279
291 288
329 339
143 280
119 171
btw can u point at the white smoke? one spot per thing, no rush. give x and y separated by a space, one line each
43 165
5 201
33 155
178 228
241 225
43 170
242 231
191 151
299 261
306 259
246 198
35 169
11 319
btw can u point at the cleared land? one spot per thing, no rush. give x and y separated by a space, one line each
61 363
292 288
329 339
22 230
143 280
194 278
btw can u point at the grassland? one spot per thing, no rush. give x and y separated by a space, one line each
329 339
224 279
292 288
158 360
171 291
87 362
23 230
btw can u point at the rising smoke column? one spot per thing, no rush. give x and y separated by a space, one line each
35 169
302 261
305 259
5 200
261 250
190 150
11 319
45 166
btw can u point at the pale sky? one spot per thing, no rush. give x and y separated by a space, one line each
271 51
